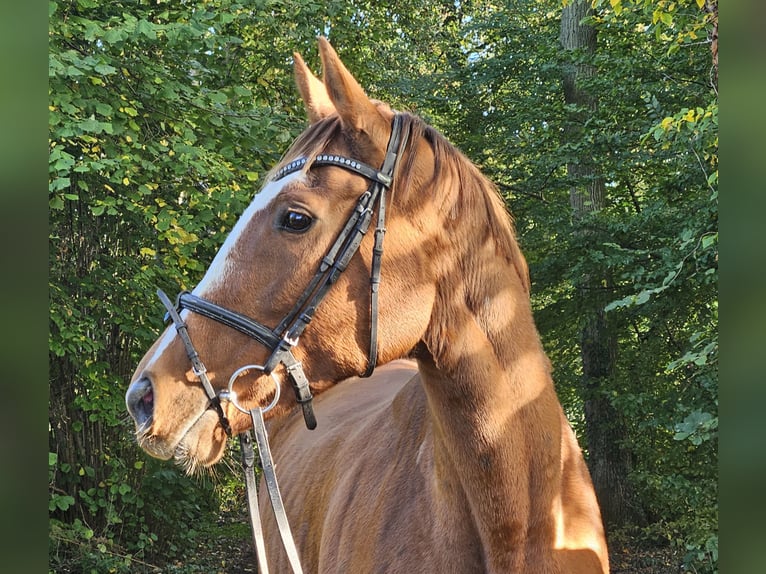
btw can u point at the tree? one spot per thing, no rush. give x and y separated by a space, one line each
609 460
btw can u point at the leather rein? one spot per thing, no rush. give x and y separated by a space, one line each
281 340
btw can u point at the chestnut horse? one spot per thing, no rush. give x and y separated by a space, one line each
455 456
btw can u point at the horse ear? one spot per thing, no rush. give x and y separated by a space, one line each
313 92
354 107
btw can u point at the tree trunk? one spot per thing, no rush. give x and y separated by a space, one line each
711 6
609 462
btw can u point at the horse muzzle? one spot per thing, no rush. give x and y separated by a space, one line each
139 400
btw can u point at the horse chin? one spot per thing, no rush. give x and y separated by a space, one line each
202 445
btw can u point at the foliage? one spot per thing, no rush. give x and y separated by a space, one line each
659 251
164 116
122 521
654 139
155 147
675 23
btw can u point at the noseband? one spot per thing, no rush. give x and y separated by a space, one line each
281 340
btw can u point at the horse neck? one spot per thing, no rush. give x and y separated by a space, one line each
495 417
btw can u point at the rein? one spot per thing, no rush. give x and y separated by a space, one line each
281 340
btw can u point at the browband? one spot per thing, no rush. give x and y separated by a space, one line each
339 161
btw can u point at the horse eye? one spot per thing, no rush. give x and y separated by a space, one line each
296 221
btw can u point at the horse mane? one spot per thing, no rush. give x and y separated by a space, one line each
469 197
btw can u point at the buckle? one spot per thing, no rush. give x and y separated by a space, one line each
292 341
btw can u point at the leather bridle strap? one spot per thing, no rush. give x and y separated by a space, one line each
197 366
389 165
231 319
251 490
272 487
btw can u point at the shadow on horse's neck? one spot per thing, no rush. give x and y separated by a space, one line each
495 417
496 438
482 335
483 353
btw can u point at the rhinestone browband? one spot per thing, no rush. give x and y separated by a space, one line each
336 160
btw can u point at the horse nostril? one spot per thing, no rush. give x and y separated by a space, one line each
140 400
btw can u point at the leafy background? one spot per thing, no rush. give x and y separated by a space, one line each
163 117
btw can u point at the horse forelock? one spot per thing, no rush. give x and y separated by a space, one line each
310 143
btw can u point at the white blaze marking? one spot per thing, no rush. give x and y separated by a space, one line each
167 338
220 265
218 269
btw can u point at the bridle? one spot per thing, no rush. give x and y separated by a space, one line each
285 336
281 339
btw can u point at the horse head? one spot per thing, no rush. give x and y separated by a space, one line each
271 256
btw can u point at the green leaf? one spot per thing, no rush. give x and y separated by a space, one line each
624 302
92 125
698 426
56 202
218 97
104 109
115 35
710 239
147 29
59 183
105 69
63 502
73 71
642 297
